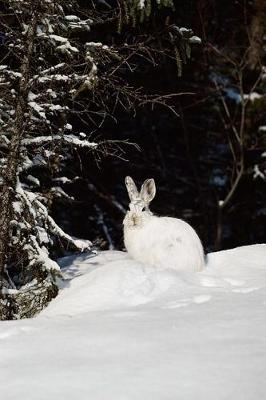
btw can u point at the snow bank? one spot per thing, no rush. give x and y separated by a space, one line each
124 331
112 280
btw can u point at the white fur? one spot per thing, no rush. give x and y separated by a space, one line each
162 241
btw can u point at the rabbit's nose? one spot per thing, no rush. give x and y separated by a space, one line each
135 219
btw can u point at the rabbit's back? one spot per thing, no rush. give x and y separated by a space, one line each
165 242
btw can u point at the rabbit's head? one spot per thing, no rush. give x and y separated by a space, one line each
140 201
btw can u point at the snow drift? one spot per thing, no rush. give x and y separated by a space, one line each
122 330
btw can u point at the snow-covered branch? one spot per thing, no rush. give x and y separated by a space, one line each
69 139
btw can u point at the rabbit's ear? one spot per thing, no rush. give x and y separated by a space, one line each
148 190
131 188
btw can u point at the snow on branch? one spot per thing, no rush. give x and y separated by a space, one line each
79 244
69 139
52 69
43 228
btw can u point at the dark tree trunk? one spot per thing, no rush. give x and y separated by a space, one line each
257 35
10 173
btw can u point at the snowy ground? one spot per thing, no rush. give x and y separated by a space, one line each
123 331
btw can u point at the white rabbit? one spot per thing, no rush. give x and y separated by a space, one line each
160 241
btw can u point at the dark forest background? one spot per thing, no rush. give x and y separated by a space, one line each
187 144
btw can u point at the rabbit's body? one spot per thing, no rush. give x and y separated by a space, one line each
160 241
164 242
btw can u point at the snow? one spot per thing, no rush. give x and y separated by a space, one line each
184 30
68 127
59 192
70 139
257 173
32 96
36 107
55 77
141 4
252 96
96 45
125 331
52 69
17 207
33 180
62 179
195 40
67 48
58 38
51 93
42 235
57 107
72 18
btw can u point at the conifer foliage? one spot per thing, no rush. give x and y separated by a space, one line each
40 72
